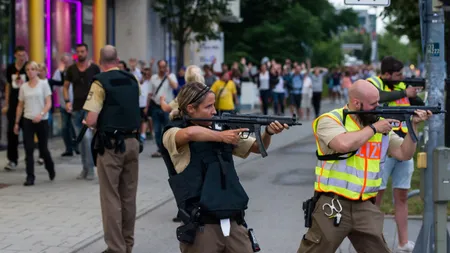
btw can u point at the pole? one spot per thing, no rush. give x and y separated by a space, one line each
433 42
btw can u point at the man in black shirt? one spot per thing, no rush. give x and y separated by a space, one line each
15 77
80 75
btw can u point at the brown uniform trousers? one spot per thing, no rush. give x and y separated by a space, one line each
118 179
210 239
362 222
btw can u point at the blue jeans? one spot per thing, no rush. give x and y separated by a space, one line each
278 100
160 120
86 155
67 130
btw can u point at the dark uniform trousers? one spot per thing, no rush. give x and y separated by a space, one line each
210 239
118 179
361 222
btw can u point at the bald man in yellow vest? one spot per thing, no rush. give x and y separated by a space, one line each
351 151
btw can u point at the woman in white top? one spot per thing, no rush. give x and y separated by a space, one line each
307 93
35 102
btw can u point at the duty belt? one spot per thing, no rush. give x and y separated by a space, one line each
206 219
333 195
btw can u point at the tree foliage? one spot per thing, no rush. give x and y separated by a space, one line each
191 18
294 29
404 15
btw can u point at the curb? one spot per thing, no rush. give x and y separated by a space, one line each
410 217
98 236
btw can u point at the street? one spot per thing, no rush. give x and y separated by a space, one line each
64 216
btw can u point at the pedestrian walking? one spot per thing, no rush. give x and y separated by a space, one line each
113 110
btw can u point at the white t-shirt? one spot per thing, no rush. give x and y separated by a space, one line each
264 81
307 89
279 88
165 89
34 99
144 94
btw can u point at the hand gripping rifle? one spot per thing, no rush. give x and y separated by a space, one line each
251 121
401 113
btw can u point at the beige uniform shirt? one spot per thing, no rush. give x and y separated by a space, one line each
328 128
181 157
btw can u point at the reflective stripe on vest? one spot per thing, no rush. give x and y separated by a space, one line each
376 81
357 177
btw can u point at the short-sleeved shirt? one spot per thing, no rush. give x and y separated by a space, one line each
181 157
96 96
12 75
165 90
81 83
328 128
34 99
226 101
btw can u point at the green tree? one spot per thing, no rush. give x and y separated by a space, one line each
285 29
389 44
404 15
191 17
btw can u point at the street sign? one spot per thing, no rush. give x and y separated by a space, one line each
433 49
385 3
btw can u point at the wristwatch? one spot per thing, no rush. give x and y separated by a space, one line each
374 129
42 113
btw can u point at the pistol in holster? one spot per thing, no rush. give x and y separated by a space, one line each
308 209
186 233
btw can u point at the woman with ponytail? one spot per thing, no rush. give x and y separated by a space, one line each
202 175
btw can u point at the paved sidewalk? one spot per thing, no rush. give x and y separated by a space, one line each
64 216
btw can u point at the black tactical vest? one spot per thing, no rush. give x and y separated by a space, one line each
209 181
120 110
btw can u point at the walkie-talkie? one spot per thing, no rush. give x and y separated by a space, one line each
255 244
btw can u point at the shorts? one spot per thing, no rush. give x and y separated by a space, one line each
336 89
296 99
306 102
144 117
401 172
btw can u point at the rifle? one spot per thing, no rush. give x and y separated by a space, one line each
251 121
401 113
415 82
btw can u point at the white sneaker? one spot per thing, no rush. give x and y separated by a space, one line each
408 247
10 166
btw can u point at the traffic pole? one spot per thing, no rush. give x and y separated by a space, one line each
433 45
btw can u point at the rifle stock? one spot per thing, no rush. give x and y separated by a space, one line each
251 121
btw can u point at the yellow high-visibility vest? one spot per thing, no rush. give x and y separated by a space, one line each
357 177
377 82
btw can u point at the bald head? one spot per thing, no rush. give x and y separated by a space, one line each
108 55
363 92
361 89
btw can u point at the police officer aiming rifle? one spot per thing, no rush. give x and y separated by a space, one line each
351 150
113 109
203 177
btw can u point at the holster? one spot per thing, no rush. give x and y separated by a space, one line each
187 232
308 209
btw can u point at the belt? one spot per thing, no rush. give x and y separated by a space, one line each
205 219
333 195
124 135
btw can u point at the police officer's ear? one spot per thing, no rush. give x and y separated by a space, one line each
190 109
